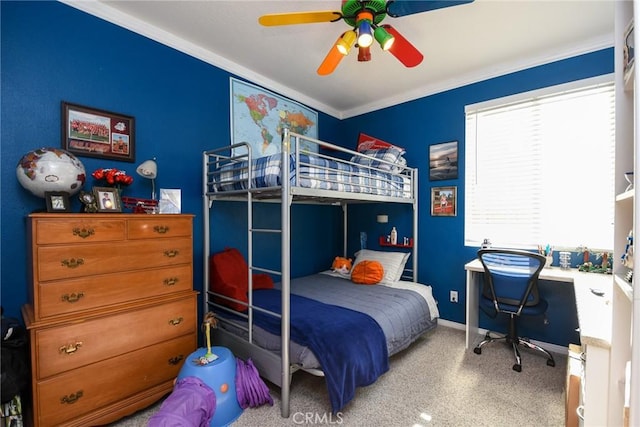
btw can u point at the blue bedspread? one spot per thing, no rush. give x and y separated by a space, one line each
350 346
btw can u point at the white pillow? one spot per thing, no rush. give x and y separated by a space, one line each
392 262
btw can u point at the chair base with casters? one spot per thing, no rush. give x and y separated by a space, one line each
515 341
511 288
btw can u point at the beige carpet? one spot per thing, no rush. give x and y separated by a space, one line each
435 382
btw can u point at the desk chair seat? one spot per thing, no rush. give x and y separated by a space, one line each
511 288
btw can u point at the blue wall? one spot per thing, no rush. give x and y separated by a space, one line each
52 52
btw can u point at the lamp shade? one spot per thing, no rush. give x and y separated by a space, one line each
148 169
382 219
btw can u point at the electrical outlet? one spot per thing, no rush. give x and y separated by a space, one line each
453 296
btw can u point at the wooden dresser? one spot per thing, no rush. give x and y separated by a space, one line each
112 313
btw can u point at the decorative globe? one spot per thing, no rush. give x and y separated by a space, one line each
50 169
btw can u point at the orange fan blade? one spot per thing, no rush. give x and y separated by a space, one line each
403 49
299 18
331 61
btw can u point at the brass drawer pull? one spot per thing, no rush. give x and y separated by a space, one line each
72 263
72 398
176 322
161 229
171 253
84 233
71 348
171 281
176 360
74 297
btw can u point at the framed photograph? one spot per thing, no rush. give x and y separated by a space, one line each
628 50
90 132
444 201
443 161
107 199
57 201
259 116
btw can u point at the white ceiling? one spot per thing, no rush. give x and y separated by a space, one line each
461 44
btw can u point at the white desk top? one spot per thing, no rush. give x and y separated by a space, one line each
594 312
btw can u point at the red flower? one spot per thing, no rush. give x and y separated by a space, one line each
114 177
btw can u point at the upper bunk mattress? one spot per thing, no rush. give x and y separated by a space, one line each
313 172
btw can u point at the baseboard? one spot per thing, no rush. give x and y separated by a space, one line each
553 348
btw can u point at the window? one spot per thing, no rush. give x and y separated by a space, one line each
539 167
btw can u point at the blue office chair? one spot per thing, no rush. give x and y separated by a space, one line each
511 287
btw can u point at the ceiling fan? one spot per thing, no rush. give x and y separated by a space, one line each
364 17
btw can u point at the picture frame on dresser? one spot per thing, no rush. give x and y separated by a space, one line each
108 199
57 201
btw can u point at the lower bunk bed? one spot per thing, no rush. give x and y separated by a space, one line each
341 330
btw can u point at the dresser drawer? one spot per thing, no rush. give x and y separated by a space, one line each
91 387
62 262
71 346
159 226
62 297
79 230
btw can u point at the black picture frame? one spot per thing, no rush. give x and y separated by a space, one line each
57 201
107 199
443 161
91 132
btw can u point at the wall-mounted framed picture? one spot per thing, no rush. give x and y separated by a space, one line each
628 50
107 199
444 201
259 116
90 132
443 161
57 201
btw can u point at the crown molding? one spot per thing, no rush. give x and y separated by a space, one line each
123 20
112 15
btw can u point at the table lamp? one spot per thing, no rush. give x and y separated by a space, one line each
149 169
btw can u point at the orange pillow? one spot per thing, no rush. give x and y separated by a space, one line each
367 273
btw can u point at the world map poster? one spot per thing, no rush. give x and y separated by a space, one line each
258 118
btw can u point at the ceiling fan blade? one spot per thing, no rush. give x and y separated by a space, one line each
331 61
403 49
408 7
299 18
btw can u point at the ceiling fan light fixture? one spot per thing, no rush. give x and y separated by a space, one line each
364 54
383 37
345 43
365 35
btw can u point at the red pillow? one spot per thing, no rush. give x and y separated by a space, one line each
228 275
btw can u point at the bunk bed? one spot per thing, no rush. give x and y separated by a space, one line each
260 327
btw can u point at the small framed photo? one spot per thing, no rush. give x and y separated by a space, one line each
443 161
90 132
444 201
57 201
107 199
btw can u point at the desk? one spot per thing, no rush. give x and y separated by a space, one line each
594 317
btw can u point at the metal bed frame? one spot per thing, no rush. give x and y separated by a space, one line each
277 368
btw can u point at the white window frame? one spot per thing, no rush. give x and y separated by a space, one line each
483 219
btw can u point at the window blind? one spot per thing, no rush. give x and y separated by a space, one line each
539 168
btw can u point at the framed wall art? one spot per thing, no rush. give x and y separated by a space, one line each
443 161
107 199
259 116
90 132
444 201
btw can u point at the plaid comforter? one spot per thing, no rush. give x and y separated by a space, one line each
312 172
